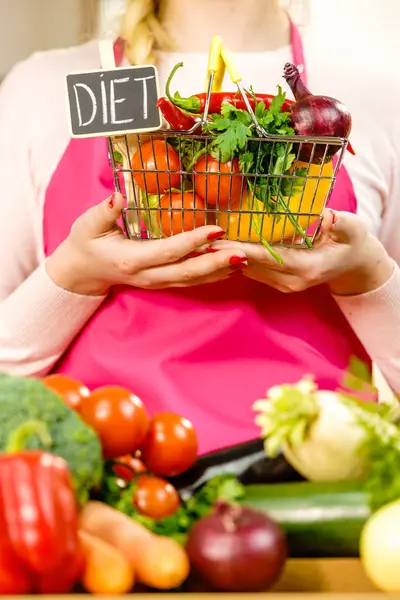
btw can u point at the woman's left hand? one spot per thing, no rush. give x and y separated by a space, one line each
345 255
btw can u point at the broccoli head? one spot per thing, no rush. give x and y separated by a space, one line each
23 400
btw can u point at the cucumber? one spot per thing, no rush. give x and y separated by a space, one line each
319 519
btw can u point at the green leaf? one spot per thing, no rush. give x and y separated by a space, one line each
383 447
246 162
294 186
260 110
189 150
233 139
219 124
149 204
118 157
278 101
359 369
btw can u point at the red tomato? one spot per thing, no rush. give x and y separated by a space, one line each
73 392
134 466
216 189
155 497
118 417
170 446
153 156
182 217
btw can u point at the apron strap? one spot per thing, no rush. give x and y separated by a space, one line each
297 50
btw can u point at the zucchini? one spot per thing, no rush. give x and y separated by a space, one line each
319 519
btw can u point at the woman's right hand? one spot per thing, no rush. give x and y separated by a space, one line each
96 255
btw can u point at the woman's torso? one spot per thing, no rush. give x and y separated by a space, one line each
207 352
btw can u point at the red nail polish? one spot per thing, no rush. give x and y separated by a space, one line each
210 249
111 201
215 235
333 216
237 260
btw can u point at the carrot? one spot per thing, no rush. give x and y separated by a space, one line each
107 571
114 527
158 561
163 564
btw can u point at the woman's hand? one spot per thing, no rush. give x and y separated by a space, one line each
96 255
345 256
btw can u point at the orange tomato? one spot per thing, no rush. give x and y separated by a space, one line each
73 392
155 497
181 215
248 227
217 182
119 419
170 446
156 167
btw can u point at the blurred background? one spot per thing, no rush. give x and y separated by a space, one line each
30 25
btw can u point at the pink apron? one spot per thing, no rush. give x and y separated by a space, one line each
205 352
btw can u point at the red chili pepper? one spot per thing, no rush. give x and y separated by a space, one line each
178 120
350 148
235 98
196 103
38 516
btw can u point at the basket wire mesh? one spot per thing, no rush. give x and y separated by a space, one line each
172 184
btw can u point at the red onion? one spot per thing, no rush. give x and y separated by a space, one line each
237 549
316 116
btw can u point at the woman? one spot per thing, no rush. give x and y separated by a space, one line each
178 330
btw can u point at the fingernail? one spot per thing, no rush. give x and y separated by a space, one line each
237 260
235 272
215 235
211 249
333 216
111 201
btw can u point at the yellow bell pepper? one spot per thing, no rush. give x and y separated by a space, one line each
275 228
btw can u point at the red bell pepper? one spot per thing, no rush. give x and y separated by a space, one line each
39 548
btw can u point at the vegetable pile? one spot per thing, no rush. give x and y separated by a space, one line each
322 480
136 529
221 172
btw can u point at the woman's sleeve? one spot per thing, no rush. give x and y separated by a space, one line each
38 320
375 318
375 173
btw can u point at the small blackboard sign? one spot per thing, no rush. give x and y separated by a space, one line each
116 101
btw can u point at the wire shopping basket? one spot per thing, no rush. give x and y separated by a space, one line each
175 181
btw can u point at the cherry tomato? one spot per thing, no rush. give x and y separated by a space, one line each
134 466
216 189
155 497
153 156
73 392
118 417
170 446
182 217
